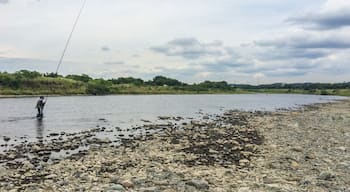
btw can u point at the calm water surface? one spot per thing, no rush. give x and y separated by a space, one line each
76 113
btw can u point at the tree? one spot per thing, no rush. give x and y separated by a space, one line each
127 80
98 87
161 81
83 77
27 74
215 85
54 75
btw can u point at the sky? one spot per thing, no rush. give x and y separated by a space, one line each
238 41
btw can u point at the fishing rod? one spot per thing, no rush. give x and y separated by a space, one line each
69 37
68 40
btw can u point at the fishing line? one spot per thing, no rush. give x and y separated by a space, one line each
69 37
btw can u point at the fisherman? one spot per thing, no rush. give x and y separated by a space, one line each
40 106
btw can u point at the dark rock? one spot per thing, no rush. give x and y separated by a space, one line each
54 134
199 184
6 138
164 117
326 176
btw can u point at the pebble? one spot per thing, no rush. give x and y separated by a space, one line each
326 176
6 138
297 149
51 176
243 162
115 187
199 184
294 164
27 165
127 184
149 189
244 189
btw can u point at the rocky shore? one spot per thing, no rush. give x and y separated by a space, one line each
289 150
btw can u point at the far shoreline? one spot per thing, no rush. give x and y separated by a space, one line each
145 94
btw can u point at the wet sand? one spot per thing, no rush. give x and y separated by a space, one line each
301 150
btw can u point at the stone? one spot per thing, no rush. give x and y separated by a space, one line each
294 164
310 155
116 187
36 148
297 149
94 147
306 181
6 138
342 148
105 140
164 117
326 176
114 180
148 189
244 189
27 165
127 184
274 187
198 184
54 134
51 176
243 162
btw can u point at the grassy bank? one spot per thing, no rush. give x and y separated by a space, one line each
34 83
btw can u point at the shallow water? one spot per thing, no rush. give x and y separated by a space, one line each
77 113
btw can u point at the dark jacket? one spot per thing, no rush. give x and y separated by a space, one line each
40 104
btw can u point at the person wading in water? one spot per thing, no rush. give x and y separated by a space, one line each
40 106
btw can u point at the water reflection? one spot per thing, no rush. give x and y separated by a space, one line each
40 129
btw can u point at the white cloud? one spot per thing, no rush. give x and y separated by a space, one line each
191 48
334 5
313 46
258 75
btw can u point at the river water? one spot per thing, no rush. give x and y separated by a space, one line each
77 113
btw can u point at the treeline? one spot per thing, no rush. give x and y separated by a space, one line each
33 82
304 86
26 82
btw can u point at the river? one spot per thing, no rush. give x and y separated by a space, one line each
77 113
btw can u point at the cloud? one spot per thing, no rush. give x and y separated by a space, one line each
12 64
4 1
206 57
287 53
338 19
135 55
332 15
191 48
15 64
223 64
114 63
105 48
309 41
285 72
268 58
258 75
279 70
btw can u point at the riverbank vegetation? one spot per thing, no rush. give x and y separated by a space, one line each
26 82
